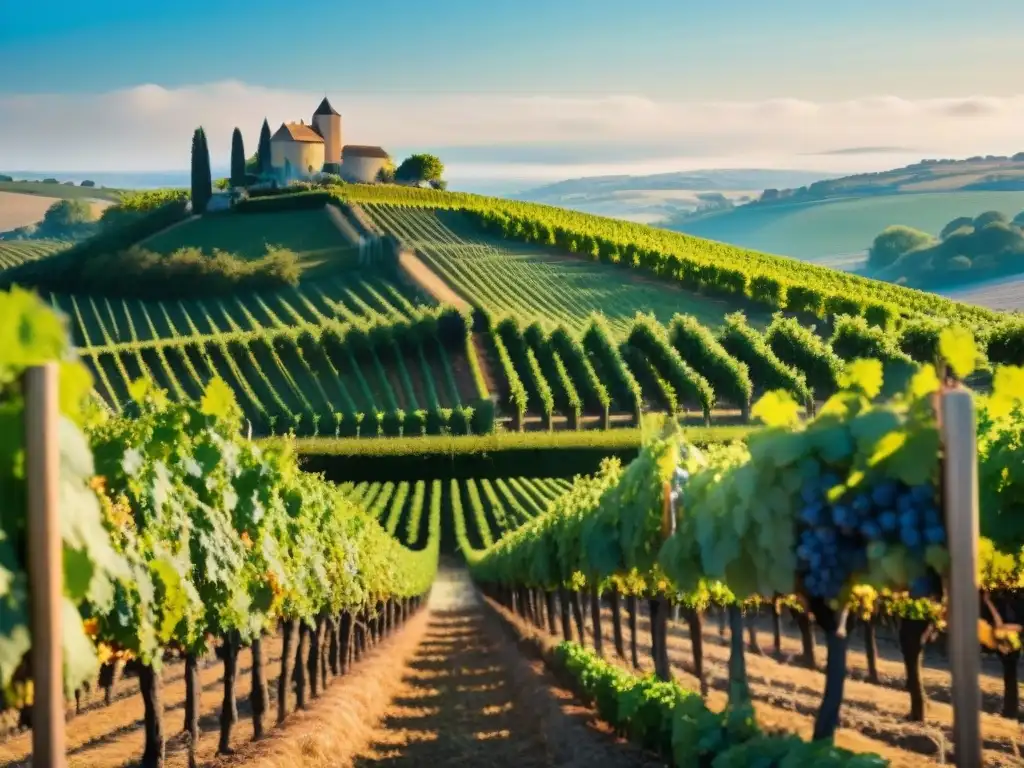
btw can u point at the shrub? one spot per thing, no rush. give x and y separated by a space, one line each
648 336
288 201
767 371
1006 343
894 242
696 345
87 183
853 338
799 347
139 273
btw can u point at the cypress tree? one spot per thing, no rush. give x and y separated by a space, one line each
202 182
197 146
264 148
237 160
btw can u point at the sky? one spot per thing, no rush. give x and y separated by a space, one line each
538 89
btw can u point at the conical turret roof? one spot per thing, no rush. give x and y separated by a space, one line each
325 108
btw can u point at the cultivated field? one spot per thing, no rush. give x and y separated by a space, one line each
15 252
823 231
19 209
60 191
537 282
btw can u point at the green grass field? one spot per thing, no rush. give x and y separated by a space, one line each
538 282
829 230
310 234
15 252
62 191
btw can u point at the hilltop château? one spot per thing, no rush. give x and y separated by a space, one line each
301 150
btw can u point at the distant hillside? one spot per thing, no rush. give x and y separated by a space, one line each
660 197
837 232
991 173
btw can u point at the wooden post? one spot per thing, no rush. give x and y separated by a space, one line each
960 494
45 563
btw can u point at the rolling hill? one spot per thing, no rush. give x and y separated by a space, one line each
838 231
561 320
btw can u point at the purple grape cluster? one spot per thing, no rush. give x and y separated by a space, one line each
834 536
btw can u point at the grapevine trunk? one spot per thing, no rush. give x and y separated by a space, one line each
151 688
595 617
284 682
616 603
229 708
912 636
259 698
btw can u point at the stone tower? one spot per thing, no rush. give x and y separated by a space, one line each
327 123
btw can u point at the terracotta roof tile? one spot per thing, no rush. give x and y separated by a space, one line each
297 132
360 150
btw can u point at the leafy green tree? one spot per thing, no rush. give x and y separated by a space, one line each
263 153
1018 220
894 242
68 213
420 168
958 223
237 159
990 217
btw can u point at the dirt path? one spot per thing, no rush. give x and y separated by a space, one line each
424 277
348 232
468 698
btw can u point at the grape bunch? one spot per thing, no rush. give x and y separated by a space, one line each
836 537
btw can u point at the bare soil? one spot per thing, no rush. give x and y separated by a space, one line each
469 698
429 282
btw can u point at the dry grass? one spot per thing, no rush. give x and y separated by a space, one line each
21 210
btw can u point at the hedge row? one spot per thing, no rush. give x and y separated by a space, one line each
697 345
538 390
647 335
279 203
799 347
515 395
749 347
591 390
610 367
556 373
854 338
706 276
676 723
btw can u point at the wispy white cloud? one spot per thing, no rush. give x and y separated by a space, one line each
149 127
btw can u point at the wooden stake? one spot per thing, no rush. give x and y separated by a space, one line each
45 564
960 494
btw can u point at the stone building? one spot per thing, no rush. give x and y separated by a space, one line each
305 150
360 163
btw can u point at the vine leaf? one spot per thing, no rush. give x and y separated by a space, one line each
863 375
1007 391
777 409
956 345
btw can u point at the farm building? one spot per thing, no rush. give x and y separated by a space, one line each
303 150
362 163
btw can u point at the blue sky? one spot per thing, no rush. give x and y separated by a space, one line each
552 84
680 48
